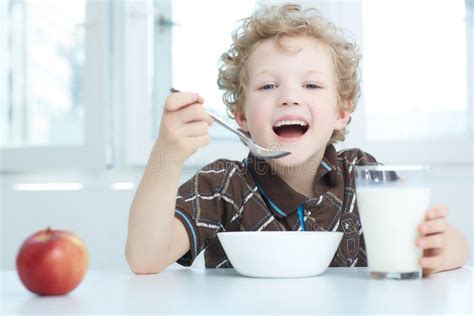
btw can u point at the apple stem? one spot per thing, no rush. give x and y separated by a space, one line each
48 230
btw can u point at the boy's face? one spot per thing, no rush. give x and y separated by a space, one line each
292 98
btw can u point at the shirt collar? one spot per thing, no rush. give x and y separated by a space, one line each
282 199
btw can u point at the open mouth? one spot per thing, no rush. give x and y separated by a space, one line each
290 128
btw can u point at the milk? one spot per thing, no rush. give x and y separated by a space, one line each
390 217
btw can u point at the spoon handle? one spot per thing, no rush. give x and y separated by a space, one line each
227 126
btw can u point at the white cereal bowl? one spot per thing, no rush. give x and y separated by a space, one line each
272 254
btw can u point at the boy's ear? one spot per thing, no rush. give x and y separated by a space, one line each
241 121
344 115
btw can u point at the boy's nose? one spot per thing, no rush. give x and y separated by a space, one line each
290 102
289 96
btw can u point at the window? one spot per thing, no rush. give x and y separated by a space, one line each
188 39
91 92
186 42
416 104
415 62
45 65
198 42
53 83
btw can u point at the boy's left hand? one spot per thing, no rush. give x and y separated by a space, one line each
433 239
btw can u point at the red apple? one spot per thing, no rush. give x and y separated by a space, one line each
52 262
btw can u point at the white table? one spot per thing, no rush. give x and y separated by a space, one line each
223 291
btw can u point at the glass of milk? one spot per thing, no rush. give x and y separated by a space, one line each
392 202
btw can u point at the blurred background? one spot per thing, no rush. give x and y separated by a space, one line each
83 83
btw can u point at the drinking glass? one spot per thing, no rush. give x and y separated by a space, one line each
392 202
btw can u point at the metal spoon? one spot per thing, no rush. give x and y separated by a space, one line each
256 150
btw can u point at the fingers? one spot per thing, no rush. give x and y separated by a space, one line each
433 241
184 126
434 226
431 252
202 141
198 128
431 263
194 112
178 100
438 211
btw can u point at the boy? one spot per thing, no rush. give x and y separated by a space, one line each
290 80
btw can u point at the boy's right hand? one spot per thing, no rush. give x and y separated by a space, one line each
184 127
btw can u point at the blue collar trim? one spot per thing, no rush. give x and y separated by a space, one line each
273 205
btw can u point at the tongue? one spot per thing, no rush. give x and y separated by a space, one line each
290 131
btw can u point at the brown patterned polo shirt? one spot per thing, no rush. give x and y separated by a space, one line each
247 195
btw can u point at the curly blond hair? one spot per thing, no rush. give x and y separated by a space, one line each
277 22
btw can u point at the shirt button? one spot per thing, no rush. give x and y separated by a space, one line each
349 261
316 227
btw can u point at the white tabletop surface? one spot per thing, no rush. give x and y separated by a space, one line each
223 291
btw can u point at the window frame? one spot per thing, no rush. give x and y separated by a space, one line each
123 103
93 154
137 93
141 19
444 150
4 56
347 14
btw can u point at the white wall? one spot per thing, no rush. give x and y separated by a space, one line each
99 215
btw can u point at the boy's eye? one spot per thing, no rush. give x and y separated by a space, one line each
311 86
268 86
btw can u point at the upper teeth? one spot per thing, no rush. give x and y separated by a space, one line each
295 122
